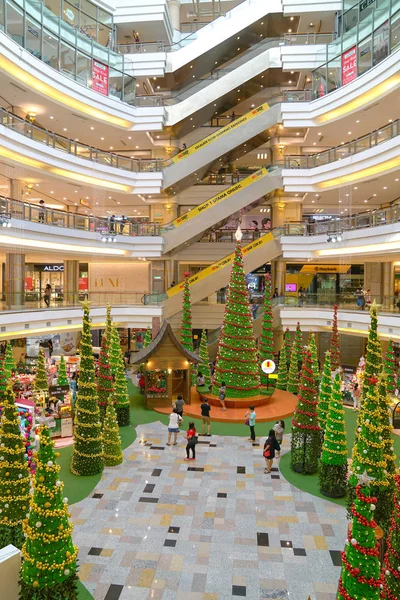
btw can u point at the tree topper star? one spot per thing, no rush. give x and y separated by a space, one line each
86 304
364 478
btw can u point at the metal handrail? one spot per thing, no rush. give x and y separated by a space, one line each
343 300
60 142
308 38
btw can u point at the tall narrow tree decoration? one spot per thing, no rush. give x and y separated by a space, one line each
3 381
267 336
333 472
14 475
9 362
109 323
325 391
105 383
237 359
389 367
298 345
203 353
385 493
147 338
122 404
334 345
306 433
361 577
62 378
373 356
186 325
288 347
293 378
41 384
49 566
87 456
112 450
312 344
282 380
391 564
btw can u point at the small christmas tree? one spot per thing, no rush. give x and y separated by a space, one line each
360 577
41 384
267 335
237 361
105 382
389 367
62 378
314 357
391 582
14 475
333 473
9 363
334 345
325 391
306 433
282 380
49 565
298 345
293 378
87 451
373 357
122 405
288 347
203 353
147 338
112 451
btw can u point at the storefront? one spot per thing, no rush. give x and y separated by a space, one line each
324 283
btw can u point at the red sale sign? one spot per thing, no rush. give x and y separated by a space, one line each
349 65
99 78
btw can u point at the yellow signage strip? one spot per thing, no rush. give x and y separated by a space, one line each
228 193
324 268
220 264
224 130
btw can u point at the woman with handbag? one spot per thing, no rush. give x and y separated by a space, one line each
191 437
271 444
250 417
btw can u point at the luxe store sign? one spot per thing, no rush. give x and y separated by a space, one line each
109 284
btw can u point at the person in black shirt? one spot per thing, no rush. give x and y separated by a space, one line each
271 444
205 415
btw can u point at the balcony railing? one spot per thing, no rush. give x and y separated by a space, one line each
35 300
304 39
59 142
228 235
344 301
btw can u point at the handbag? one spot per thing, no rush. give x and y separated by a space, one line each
247 422
267 452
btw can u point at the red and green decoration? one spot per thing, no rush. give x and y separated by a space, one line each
282 381
122 404
186 324
293 377
361 577
312 344
298 345
306 432
334 345
62 378
204 355
87 454
49 566
105 380
147 338
9 363
267 335
112 450
41 385
373 356
288 347
14 475
389 367
237 358
325 391
385 494
333 469
391 563
3 381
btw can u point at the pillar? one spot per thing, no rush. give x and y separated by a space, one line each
278 272
379 278
278 212
17 193
388 280
174 7
71 282
15 280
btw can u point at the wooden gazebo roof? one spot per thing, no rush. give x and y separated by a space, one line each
165 331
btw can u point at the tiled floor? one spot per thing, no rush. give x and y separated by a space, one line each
158 527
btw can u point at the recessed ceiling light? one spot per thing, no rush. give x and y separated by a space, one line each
158 137
102 138
390 120
110 197
76 191
289 31
297 133
191 66
137 147
75 203
292 18
374 195
138 85
385 187
365 200
316 195
349 133
238 49
296 194
340 201
65 129
395 180
111 147
238 37
253 105
314 143
92 128
216 62
319 133
87 197
96 202
342 143
262 22
51 117
64 198
312 201
356 188
51 192
158 87
357 121
129 137
290 81
292 72
154 78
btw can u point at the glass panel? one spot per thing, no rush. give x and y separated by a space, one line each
105 17
366 8
334 73
104 35
129 89
319 82
350 19
50 49
364 60
395 31
67 60
50 18
88 26
89 8
15 23
70 15
33 36
54 6
115 84
83 69
1 15
381 43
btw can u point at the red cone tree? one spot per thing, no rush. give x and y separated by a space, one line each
391 565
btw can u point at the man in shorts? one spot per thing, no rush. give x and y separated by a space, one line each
205 415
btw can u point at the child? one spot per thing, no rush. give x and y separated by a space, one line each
191 436
222 394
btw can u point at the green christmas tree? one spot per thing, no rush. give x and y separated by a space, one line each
109 323
267 335
147 338
122 404
14 475
333 472
62 378
298 345
389 367
9 363
361 577
293 378
3 381
237 361
391 564
373 356
186 319
203 353
105 380
112 451
41 384
87 456
288 347
325 391
314 357
306 433
334 345
282 380
49 565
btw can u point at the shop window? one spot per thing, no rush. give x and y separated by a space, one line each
364 58
33 37
380 43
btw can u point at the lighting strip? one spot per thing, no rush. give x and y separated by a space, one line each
360 249
10 240
32 82
387 165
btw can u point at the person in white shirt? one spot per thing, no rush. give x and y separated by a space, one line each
173 426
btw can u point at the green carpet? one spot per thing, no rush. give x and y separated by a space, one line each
83 593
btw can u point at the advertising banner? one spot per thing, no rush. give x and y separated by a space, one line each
349 65
99 77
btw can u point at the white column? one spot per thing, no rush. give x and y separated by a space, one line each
174 7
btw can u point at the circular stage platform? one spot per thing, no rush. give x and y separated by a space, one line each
279 405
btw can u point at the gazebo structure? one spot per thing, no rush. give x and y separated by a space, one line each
166 366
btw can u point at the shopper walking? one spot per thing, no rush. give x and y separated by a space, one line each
42 208
191 437
122 224
356 396
179 404
173 427
279 429
250 417
47 295
205 416
51 349
271 445
222 395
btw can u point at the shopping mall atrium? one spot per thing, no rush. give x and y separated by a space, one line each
200 299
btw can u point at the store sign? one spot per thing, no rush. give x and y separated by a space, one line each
58 390
99 78
50 268
349 65
69 14
325 268
365 4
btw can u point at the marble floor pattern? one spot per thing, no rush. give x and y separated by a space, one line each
158 527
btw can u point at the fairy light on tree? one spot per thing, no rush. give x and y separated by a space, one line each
9 362
373 356
41 385
391 563
282 380
112 450
293 377
204 355
62 378
267 335
312 344
325 391
122 404
105 384
186 324
389 367
334 345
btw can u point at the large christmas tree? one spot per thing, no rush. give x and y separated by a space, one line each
325 391
306 432
312 344
288 346
3 380
391 582
333 472
267 335
87 458
298 345
112 451
9 363
41 385
62 378
385 493
282 380
105 380
389 367
237 361
203 353
360 577
373 357
49 565
334 345
14 475
293 377
122 405
186 318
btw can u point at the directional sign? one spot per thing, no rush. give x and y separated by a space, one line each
268 366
